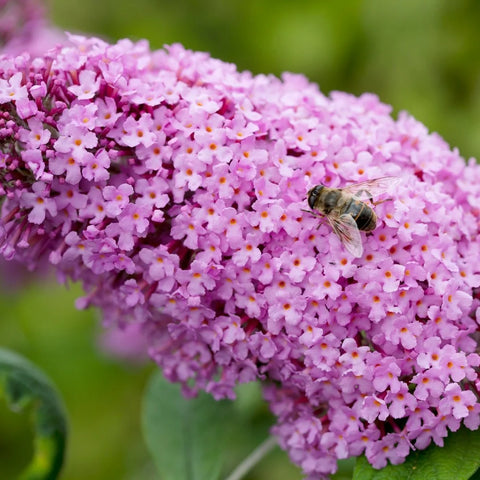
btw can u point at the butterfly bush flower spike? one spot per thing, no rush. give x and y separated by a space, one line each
173 187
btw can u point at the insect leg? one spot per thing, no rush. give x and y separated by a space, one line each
378 202
315 214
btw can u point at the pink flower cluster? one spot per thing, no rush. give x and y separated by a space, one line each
173 187
23 26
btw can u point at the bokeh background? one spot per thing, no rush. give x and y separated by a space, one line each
416 56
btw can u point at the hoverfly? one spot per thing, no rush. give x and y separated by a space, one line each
347 211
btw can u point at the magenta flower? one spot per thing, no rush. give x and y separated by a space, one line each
23 27
174 186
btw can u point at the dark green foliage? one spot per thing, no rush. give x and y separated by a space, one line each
458 460
24 386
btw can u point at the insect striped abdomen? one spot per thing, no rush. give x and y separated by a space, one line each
363 215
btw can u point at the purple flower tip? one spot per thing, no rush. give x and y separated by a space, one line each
24 27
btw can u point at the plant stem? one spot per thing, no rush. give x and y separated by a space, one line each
249 462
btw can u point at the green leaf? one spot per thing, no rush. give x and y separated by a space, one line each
458 459
475 476
186 437
24 385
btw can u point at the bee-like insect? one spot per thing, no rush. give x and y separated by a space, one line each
347 211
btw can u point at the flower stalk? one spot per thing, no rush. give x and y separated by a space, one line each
249 462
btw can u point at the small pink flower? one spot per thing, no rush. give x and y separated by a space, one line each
197 280
66 163
386 375
428 384
456 401
96 167
135 217
76 141
161 264
12 89
453 363
373 408
264 345
87 87
36 135
289 307
323 286
393 448
401 403
404 332
187 228
40 202
189 172
354 357
117 197
106 113
35 162
266 216
248 253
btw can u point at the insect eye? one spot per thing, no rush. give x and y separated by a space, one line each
313 195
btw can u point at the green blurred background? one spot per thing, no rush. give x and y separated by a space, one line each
417 56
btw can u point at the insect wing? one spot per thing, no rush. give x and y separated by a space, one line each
347 231
371 188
